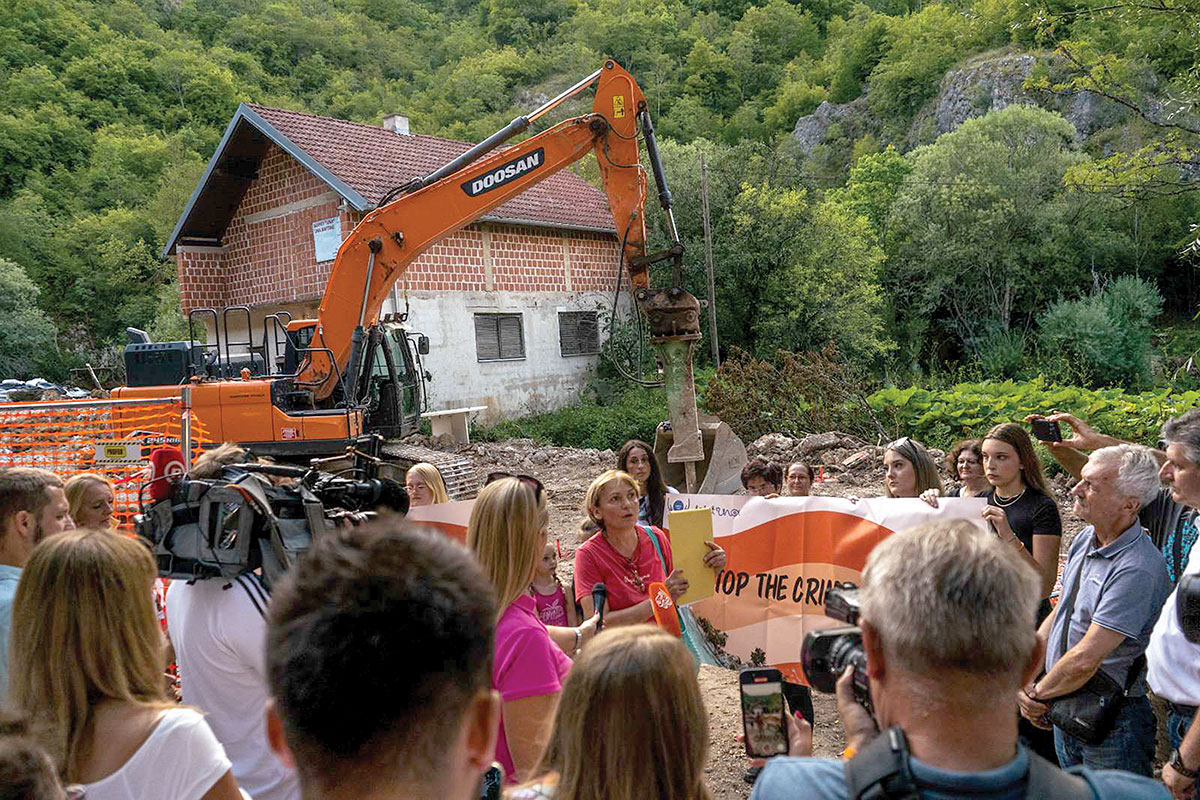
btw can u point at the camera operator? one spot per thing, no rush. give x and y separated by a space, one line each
1114 586
947 629
217 628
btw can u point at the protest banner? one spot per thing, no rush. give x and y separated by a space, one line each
784 554
449 518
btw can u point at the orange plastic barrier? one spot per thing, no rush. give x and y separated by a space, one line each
111 437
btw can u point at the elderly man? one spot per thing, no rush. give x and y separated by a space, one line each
1174 662
1114 586
947 628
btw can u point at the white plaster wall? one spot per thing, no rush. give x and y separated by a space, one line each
543 381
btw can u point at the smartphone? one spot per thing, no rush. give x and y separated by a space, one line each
1045 431
492 783
763 712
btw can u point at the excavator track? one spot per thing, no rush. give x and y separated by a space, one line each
458 473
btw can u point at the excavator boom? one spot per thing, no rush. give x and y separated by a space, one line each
389 239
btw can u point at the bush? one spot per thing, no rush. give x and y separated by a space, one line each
633 415
796 394
969 409
1105 337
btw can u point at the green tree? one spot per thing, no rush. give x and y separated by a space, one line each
27 337
818 268
982 231
1103 337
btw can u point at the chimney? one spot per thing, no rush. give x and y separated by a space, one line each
396 123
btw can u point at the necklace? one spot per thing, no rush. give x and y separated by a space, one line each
633 578
1005 502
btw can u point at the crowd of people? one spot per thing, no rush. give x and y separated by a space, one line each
392 662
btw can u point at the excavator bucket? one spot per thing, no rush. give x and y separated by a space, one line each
724 456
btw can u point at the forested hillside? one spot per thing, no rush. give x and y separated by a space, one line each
991 244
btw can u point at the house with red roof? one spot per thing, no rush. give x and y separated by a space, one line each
510 303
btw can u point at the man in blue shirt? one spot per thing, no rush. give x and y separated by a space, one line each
32 506
1114 586
948 630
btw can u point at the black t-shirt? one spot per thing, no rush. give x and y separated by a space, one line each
1033 514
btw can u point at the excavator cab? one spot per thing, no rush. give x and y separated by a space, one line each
391 388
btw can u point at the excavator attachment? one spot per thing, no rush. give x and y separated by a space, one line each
719 471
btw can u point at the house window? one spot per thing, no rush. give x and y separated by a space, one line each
578 333
498 337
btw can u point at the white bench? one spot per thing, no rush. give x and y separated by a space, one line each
454 421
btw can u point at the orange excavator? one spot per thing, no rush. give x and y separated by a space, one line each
339 378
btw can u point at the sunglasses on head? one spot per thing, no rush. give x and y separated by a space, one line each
528 480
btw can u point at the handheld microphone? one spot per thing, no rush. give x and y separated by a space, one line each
599 598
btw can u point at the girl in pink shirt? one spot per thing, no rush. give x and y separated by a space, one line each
552 605
507 533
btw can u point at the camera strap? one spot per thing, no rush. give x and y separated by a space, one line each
881 770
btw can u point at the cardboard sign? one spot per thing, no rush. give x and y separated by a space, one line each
689 532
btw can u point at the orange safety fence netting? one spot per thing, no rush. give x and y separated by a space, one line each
111 437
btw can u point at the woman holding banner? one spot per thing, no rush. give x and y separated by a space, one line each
910 471
1019 507
507 534
625 556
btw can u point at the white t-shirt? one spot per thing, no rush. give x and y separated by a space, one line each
180 761
1172 662
219 631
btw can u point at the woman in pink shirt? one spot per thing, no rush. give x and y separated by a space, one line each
625 556
507 533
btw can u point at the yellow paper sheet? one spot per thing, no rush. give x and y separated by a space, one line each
689 531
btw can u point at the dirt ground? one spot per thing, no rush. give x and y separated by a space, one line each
566 474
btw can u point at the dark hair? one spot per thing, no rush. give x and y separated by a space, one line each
26 771
769 471
1031 466
656 490
973 445
24 489
378 639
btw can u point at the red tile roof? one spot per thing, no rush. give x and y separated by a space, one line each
372 160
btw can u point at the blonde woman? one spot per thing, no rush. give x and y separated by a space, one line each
87 665
507 533
625 556
91 497
425 485
630 725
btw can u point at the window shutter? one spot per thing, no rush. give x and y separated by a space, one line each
579 333
487 341
499 337
512 342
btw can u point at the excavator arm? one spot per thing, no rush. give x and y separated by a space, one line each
387 241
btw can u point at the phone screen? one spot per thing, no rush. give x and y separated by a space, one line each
1045 431
762 715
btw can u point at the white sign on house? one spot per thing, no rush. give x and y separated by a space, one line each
327 238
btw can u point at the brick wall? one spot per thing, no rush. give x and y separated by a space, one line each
268 256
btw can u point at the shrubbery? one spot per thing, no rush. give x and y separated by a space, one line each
632 415
1105 337
970 409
